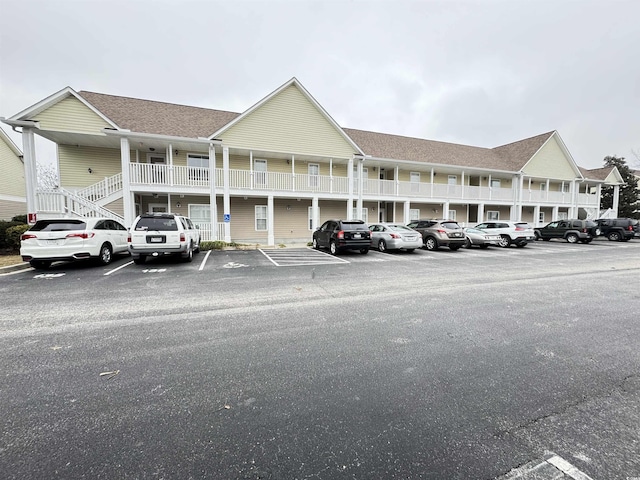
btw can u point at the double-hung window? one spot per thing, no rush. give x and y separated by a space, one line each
314 174
414 179
198 167
261 218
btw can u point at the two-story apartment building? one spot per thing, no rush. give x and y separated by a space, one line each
13 200
273 173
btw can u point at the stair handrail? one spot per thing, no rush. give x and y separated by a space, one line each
102 189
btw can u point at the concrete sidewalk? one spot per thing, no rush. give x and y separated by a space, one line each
553 467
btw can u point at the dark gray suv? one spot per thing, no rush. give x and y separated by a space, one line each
439 233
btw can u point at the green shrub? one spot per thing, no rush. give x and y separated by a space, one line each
20 219
4 226
217 245
13 236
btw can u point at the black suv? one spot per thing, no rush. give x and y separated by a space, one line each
572 230
617 229
440 233
339 235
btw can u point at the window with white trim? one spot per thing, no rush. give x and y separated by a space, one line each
493 215
200 213
495 183
261 218
543 187
562 215
452 180
452 215
541 217
198 166
364 217
414 214
310 217
260 172
365 177
566 187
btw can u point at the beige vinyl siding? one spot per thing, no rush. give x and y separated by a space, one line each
117 206
71 115
74 163
550 162
332 209
289 122
243 221
291 225
12 178
9 209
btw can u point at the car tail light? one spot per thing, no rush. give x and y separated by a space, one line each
182 237
84 235
129 238
27 236
395 235
441 231
630 228
519 229
341 235
584 230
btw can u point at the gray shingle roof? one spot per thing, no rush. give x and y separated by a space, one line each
147 116
596 173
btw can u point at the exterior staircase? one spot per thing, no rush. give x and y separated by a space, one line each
88 202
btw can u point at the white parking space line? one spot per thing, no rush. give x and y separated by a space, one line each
300 257
204 260
119 268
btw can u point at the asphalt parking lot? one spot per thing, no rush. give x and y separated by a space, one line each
291 363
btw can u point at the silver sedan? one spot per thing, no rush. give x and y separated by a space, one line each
394 236
480 238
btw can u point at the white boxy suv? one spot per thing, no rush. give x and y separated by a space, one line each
155 234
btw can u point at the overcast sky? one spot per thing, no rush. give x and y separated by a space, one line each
482 72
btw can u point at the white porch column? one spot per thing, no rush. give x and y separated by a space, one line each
599 200
315 213
128 203
406 214
616 199
293 173
350 188
445 209
270 234
555 213
226 195
360 188
213 209
30 172
396 175
536 216
480 218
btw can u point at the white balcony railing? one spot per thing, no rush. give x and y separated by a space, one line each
193 177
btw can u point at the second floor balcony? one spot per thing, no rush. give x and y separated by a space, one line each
197 180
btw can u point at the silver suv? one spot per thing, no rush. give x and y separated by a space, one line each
439 233
516 233
155 234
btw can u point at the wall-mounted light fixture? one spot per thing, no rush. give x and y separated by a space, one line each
178 205
288 162
175 152
288 207
151 149
155 195
89 170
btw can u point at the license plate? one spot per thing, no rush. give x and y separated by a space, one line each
357 235
156 239
54 242
410 239
456 235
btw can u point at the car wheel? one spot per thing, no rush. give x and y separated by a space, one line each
572 238
188 255
454 247
382 246
140 260
538 236
333 248
521 244
467 243
314 242
106 254
430 243
40 264
614 236
505 241
364 251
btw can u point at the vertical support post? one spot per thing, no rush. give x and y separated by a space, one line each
226 193
616 200
270 233
360 189
406 214
30 172
128 203
480 218
213 210
315 214
599 205
350 188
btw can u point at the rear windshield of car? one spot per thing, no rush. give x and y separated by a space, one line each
523 225
589 223
151 223
400 228
451 225
355 226
58 225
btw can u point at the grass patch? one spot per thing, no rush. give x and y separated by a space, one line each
6 260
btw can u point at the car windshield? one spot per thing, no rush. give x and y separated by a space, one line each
58 225
451 225
153 223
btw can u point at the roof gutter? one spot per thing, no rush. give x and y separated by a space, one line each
431 165
152 136
20 123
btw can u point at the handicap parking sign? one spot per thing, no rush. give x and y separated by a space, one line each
227 217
